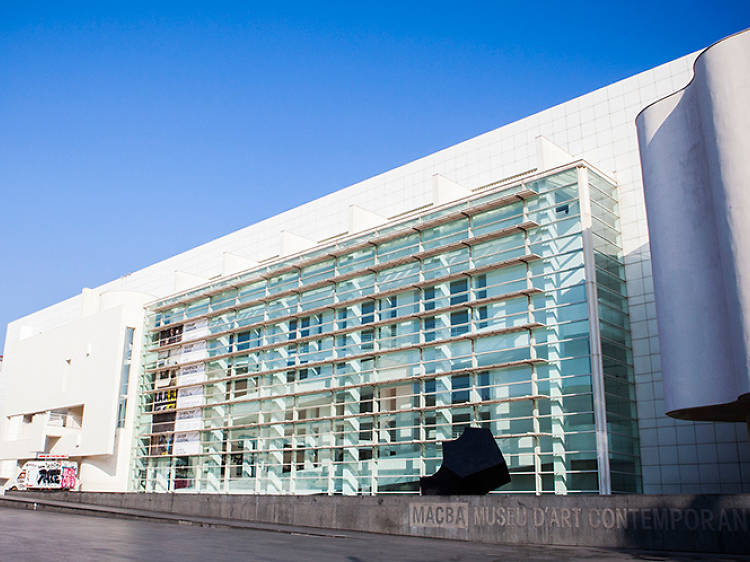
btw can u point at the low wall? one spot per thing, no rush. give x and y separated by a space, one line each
692 523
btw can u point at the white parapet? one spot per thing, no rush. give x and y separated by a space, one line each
361 219
445 190
184 281
549 155
291 243
233 263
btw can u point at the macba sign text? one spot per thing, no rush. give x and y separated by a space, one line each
461 515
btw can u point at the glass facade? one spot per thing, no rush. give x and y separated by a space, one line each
342 369
614 330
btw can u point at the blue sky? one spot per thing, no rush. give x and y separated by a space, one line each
117 118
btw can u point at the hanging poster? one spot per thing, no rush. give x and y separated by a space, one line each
165 400
189 420
187 443
190 397
192 374
195 329
162 444
192 352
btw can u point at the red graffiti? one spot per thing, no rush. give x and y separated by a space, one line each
68 477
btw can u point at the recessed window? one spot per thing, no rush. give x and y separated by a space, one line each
459 291
459 322
368 312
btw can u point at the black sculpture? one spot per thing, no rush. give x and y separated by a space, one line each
472 465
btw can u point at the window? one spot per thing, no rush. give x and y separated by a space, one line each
304 352
237 459
430 423
460 422
483 385
460 388
365 400
430 388
368 339
183 473
165 377
459 322
170 335
481 316
429 329
316 323
243 341
129 343
368 312
287 458
240 388
365 431
125 376
429 298
459 291
480 287
291 354
388 307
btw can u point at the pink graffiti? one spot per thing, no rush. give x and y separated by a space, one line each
68 477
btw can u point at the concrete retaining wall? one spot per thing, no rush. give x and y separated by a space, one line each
703 523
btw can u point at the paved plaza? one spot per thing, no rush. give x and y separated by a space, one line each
42 535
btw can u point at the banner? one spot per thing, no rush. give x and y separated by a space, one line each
165 400
189 420
192 352
187 443
193 374
195 329
190 397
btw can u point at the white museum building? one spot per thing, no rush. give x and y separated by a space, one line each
510 281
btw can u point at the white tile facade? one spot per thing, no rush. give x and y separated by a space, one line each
677 457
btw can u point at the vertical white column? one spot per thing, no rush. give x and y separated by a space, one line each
225 458
557 411
595 344
350 439
532 354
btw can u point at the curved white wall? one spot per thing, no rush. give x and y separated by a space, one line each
695 154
